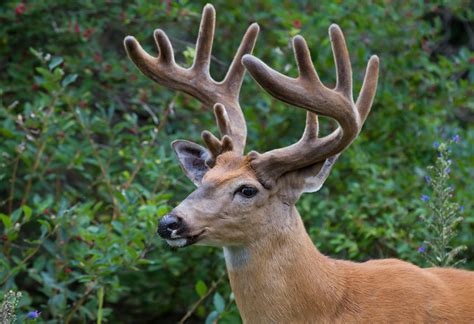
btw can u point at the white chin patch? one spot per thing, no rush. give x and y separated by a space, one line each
177 243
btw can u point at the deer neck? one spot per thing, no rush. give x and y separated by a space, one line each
282 277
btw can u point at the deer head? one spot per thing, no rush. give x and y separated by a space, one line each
242 198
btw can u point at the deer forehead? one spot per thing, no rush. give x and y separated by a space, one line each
230 167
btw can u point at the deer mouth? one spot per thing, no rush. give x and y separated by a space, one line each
182 241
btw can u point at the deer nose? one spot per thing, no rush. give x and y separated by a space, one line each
168 225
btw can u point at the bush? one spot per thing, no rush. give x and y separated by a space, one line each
86 169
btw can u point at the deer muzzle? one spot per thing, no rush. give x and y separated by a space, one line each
173 229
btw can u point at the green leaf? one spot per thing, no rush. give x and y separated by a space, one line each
27 211
55 61
45 227
212 317
39 263
36 53
15 216
57 303
118 226
70 78
201 288
162 210
93 229
219 302
6 221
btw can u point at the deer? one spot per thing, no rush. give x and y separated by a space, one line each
245 203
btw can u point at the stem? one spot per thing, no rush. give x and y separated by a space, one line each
28 257
12 186
40 151
140 164
151 144
108 184
38 156
78 304
100 296
202 299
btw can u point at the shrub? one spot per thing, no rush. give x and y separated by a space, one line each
86 169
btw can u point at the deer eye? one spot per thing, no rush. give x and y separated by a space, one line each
247 192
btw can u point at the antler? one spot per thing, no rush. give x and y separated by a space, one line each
196 80
307 91
216 146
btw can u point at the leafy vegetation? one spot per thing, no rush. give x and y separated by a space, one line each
86 169
444 215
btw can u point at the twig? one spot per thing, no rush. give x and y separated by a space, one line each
25 260
116 212
151 144
12 186
78 303
38 156
40 151
202 299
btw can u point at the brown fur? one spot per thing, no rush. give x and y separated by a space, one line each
287 280
278 275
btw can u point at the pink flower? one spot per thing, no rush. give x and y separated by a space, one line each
20 9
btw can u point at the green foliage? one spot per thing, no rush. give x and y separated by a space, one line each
443 217
86 169
8 307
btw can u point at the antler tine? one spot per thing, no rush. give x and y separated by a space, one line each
235 76
311 129
367 93
342 61
145 62
307 91
303 59
196 80
165 49
222 119
202 59
216 146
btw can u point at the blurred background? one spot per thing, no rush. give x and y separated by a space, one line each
86 168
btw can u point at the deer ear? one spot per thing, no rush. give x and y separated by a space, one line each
192 158
314 181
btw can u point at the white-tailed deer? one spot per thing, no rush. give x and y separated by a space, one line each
246 203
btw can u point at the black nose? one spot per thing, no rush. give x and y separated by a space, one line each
168 224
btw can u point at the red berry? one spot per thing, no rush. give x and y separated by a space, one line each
97 57
297 23
87 33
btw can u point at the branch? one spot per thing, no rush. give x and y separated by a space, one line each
202 299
